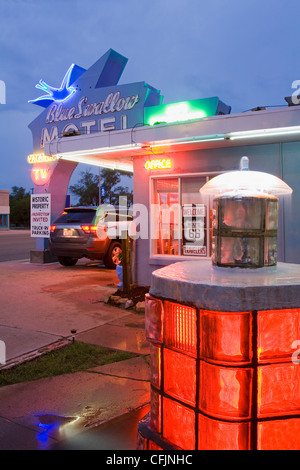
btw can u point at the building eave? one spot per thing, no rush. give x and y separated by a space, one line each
118 148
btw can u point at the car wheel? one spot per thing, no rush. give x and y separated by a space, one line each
111 259
66 261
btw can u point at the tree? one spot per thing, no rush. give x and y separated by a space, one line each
118 192
19 201
110 179
87 187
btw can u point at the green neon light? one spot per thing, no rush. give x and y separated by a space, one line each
180 112
176 112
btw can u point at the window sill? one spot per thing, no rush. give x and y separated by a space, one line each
164 260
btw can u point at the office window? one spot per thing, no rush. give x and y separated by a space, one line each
180 217
166 219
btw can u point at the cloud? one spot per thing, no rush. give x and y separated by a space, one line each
245 52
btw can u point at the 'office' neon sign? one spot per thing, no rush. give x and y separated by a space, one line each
162 164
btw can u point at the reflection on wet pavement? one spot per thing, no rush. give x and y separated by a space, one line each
117 434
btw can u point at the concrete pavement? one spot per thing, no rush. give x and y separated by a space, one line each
40 305
15 244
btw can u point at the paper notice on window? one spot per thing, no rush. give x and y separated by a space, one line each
194 230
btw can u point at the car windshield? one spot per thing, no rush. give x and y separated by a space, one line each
69 216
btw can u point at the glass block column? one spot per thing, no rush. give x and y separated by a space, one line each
222 380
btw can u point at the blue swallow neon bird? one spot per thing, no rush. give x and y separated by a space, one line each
56 94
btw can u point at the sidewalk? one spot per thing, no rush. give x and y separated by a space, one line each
95 409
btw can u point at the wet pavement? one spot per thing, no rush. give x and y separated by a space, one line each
117 434
58 411
95 409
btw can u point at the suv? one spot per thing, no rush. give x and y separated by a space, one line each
90 232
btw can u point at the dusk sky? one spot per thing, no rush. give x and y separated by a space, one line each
246 52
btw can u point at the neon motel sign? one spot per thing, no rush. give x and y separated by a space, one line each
175 112
90 101
40 158
159 164
40 173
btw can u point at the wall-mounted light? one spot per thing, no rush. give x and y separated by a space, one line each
190 141
80 157
277 131
98 151
113 165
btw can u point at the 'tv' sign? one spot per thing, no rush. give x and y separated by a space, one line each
2 92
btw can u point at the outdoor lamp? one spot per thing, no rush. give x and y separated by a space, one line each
245 217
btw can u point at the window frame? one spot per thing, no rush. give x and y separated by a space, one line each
3 220
160 258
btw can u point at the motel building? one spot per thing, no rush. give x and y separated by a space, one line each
4 210
223 340
172 150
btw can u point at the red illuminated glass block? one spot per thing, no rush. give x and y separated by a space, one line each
153 446
280 434
155 365
178 424
141 442
277 330
181 327
278 390
180 376
231 338
153 319
155 411
225 392
218 435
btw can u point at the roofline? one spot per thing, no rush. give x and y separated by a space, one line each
120 146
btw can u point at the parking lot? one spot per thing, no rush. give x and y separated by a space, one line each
42 303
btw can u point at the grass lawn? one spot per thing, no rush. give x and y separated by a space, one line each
71 358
